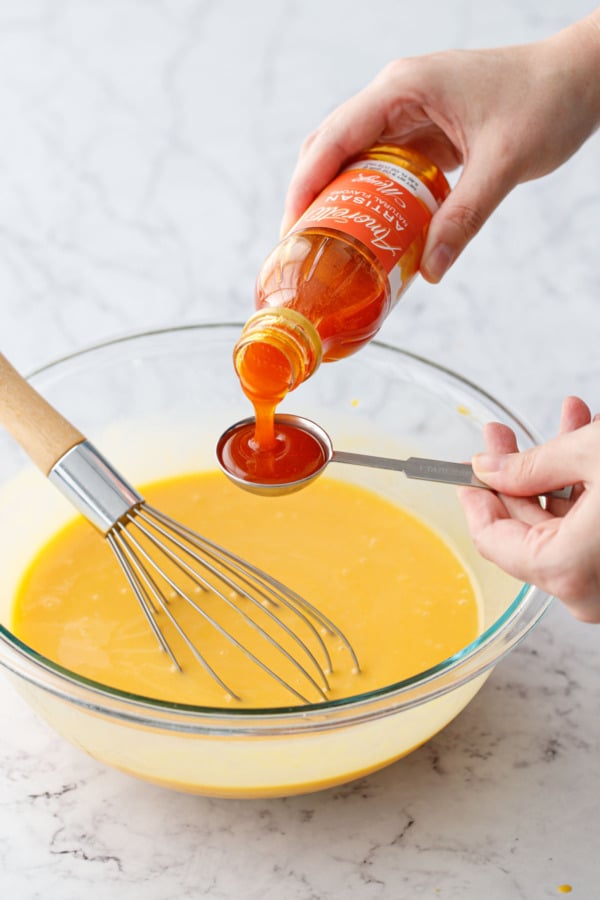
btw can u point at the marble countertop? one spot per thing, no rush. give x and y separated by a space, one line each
145 152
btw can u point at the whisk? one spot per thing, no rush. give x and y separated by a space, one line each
162 558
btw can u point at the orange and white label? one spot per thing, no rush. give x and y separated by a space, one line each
382 205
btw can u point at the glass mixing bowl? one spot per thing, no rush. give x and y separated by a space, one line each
155 404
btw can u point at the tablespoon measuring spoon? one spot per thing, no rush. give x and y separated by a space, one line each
256 471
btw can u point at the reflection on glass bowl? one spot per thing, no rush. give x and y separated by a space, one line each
155 404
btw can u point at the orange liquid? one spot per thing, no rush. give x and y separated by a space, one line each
294 455
265 377
335 274
333 280
393 586
336 283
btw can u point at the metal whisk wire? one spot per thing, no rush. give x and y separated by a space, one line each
220 567
149 546
146 542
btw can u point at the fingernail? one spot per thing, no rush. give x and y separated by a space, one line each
438 261
489 462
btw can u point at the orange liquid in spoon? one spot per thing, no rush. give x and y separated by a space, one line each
296 454
267 451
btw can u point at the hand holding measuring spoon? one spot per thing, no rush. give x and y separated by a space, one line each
306 450
556 548
468 108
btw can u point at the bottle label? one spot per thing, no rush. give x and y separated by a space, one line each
381 204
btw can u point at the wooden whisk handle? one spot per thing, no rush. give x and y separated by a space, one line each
40 430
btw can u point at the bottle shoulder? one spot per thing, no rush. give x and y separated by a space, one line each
319 267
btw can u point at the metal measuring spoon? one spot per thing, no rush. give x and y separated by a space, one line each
437 470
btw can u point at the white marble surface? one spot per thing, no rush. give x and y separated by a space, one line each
144 155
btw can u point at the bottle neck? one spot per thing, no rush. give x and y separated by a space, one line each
278 349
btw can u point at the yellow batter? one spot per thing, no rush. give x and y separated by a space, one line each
391 584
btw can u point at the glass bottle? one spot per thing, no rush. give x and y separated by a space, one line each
324 291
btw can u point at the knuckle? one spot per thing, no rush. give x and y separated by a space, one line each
586 613
309 140
526 465
567 572
570 587
482 544
467 219
407 76
414 69
395 70
579 590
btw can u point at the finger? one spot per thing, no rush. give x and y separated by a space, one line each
400 106
479 190
499 438
501 541
482 510
526 509
482 507
560 556
356 124
567 459
573 559
574 414
524 551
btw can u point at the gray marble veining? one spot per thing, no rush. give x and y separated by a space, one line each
144 157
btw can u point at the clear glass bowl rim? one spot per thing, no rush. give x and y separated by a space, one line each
470 662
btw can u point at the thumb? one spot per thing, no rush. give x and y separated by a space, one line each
478 192
567 459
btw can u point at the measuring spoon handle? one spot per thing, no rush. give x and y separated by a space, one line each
439 470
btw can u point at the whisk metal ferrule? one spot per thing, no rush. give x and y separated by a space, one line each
93 486
164 560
